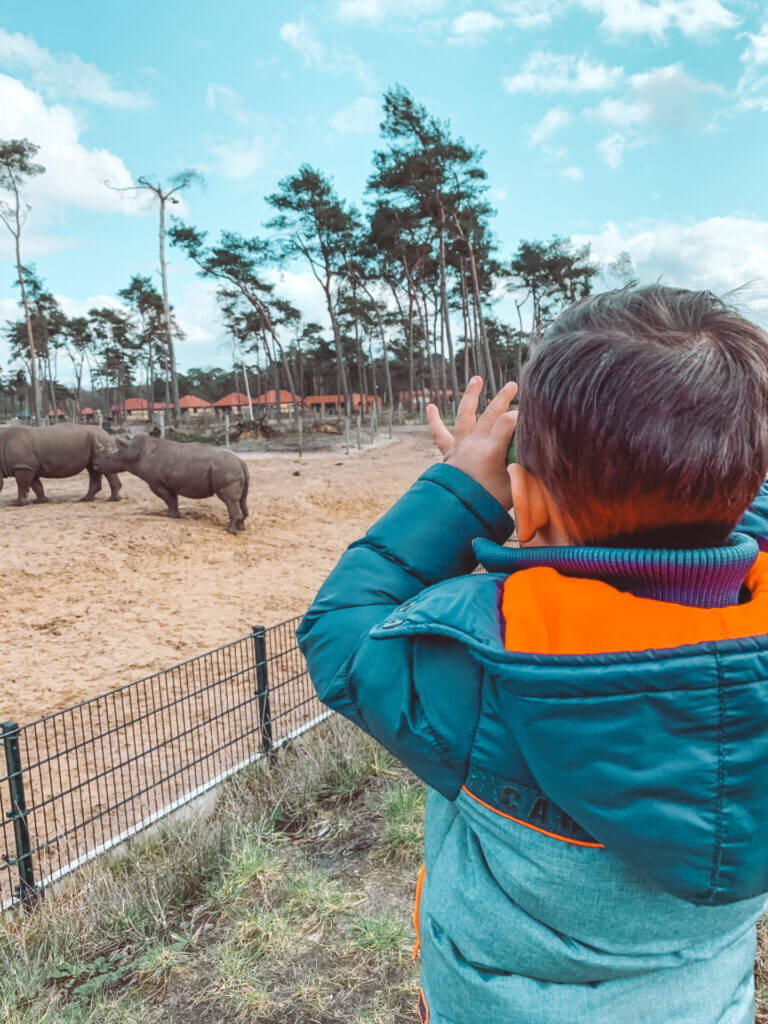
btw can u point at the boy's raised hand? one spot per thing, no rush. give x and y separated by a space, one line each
479 445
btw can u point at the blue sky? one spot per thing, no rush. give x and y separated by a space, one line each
634 124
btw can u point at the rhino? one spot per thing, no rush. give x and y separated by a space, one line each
172 468
64 449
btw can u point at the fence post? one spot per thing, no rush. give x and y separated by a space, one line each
26 889
262 688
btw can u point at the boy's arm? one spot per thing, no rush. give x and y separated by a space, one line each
755 519
425 538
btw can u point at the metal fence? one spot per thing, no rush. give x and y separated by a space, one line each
83 780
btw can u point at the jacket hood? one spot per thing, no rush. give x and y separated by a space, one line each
660 754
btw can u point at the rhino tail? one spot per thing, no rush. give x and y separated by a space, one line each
244 495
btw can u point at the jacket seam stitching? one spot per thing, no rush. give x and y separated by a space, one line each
471 750
472 511
391 557
439 746
720 781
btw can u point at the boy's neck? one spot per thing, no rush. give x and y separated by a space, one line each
674 537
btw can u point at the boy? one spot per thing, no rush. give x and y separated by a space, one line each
591 715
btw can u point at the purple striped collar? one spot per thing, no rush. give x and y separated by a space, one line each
699 577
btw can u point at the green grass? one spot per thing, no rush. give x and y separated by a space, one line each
290 903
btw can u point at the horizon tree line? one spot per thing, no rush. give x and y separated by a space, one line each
409 284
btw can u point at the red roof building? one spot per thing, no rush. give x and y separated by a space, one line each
268 398
325 401
87 411
193 402
234 400
132 405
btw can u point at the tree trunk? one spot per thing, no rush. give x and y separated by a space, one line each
289 381
247 391
478 303
33 377
338 345
446 316
469 337
423 316
167 313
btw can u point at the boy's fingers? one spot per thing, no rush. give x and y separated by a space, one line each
440 433
465 414
497 407
503 429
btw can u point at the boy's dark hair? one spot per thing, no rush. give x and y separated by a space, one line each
644 411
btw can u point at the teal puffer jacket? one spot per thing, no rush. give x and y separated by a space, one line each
596 835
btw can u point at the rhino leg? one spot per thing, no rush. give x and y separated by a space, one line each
37 487
114 485
170 499
94 485
244 503
25 478
235 515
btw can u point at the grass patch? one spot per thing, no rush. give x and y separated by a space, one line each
289 904
402 813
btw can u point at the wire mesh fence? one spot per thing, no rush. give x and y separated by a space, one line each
82 780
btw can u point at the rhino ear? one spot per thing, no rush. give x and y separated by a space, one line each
98 447
122 440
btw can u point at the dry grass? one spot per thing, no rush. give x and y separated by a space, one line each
290 903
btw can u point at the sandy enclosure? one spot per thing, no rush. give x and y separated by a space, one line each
97 595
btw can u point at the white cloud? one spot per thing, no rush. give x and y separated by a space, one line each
473 26
551 72
68 77
753 86
756 52
359 118
301 288
241 158
573 173
532 13
665 97
227 101
498 195
36 244
302 38
719 253
375 11
612 149
656 17
621 112
553 121
75 174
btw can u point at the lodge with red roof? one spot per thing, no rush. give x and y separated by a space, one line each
335 403
137 409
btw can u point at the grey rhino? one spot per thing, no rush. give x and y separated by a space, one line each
64 449
172 468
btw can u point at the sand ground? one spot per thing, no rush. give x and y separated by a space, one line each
97 595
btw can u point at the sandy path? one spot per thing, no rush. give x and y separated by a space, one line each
97 595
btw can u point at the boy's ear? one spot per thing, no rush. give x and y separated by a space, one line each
529 501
